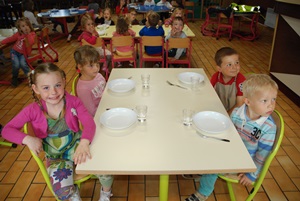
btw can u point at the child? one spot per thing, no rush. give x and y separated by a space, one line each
91 83
164 15
149 3
228 80
121 8
54 117
145 20
25 30
176 32
122 29
131 16
178 12
104 17
28 12
90 87
255 126
153 20
90 35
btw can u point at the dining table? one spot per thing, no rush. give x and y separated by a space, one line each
61 16
162 145
106 32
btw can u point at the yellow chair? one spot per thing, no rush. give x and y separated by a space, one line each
256 185
78 179
9 144
151 41
179 43
74 84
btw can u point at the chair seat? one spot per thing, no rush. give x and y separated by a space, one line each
80 176
147 56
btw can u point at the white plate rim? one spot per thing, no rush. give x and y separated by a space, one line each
180 75
131 82
224 120
131 114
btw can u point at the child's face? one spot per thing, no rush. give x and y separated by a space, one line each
178 13
132 15
177 26
89 71
89 26
25 29
50 86
230 66
261 103
107 15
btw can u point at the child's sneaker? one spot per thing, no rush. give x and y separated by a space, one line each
119 65
69 38
130 64
196 197
76 195
156 65
14 82
105 196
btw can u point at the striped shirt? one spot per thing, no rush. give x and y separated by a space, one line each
258 136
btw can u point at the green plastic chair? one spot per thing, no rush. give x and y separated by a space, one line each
74 84
256 185
9 144
78 179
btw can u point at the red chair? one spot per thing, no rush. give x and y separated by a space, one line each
249 24
225 25
151 41
211 19
121 41
36 53
99 43
179 43
45 46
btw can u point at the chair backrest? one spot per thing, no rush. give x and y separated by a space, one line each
178 43
120 41
99 42
152 41
78 179
74 84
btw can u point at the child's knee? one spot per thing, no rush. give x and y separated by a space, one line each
63 193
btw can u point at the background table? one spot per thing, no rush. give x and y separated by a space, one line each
61 16
163 145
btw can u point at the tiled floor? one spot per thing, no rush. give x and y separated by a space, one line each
21 180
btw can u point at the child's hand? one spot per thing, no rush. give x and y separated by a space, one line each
160 23
33 143
244 180
82 152
95 33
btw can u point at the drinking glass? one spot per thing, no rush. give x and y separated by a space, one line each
145 80
141 112
187 116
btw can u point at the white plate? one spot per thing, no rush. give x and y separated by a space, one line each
73 12
121 85
118 118
101 33
211 122
102 26
186 77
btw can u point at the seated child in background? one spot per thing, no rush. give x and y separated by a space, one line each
176 32
121 8
122 29
131 16
149 3
178 12
153 20
91 83
28 12
54 117
144 21
104 17
228 80
90 35
255 126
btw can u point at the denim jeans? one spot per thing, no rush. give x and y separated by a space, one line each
207 184
18 61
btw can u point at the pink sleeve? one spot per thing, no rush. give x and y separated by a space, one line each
88 38
168 21
86 97
131 32
31 37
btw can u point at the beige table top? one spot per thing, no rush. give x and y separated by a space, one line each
162 144
137 28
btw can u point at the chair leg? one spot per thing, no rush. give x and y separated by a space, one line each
231 192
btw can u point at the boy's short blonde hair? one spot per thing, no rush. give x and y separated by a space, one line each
257 82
